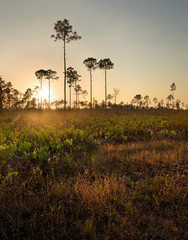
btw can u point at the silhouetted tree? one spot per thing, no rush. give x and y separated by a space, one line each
72 79
84 94
147 101
173 88
137 99
27 98
184 106
40 74
105 64
8 91
155 101
65 33
161 103
50 76
56 104
33 103
169 100
11 98
2 88
115 94
78 91
16 98
95 103
91 64
36 93
178 104
109 98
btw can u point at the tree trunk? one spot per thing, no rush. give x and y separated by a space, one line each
105 89
49 93
1 102
91 89
173 99
41 92
70 96
76 99
1 98
64 76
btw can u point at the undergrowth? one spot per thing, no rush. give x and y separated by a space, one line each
93 175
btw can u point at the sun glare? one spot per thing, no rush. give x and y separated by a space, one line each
44 93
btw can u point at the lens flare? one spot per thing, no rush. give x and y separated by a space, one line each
43 93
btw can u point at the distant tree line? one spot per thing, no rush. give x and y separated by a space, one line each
11 98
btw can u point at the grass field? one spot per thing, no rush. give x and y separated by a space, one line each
94 175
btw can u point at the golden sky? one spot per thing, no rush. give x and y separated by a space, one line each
147 40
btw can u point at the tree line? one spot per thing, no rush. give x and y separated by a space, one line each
11 98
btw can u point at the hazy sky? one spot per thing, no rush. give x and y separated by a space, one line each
147 40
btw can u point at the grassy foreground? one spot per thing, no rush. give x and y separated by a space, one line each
82 175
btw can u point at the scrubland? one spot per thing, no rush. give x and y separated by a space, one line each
94 175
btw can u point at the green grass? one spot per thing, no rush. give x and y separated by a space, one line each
93 175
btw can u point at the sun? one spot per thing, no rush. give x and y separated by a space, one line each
43 93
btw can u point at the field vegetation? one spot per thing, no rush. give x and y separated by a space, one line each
82 174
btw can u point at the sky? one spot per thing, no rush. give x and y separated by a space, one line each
147 40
